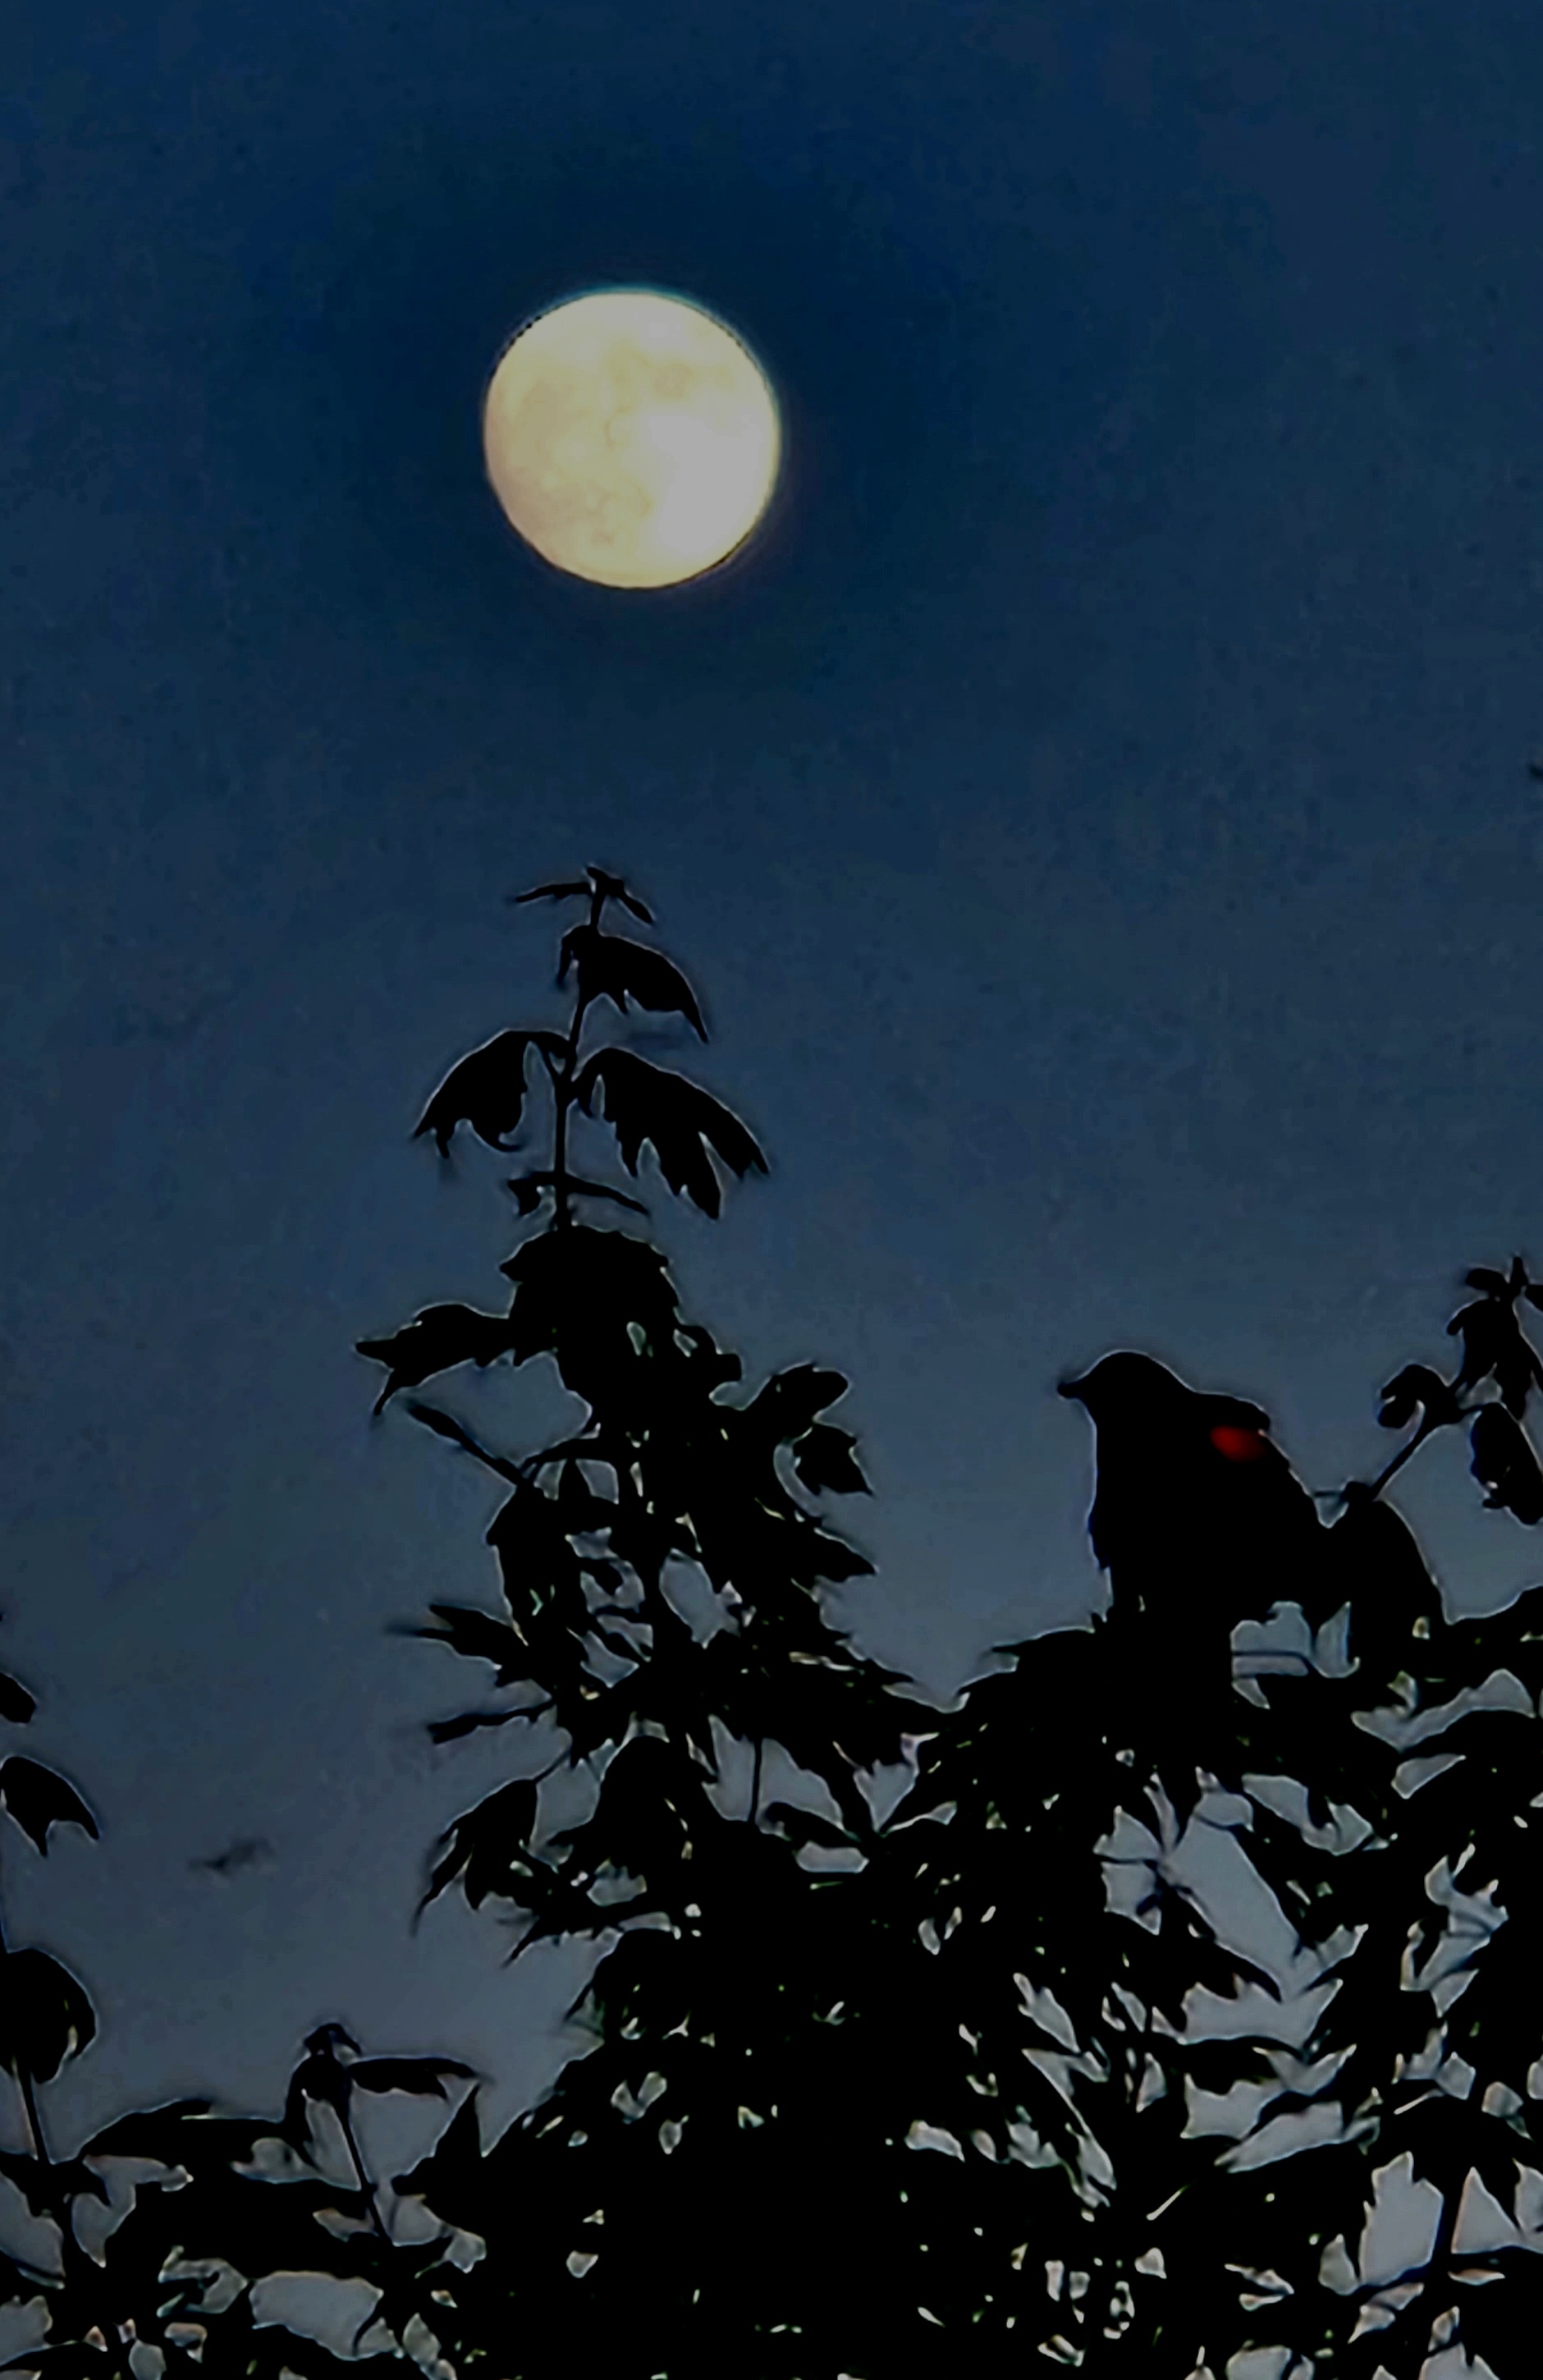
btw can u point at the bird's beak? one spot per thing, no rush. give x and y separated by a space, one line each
1071 1389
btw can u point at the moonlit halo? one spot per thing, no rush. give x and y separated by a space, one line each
630 438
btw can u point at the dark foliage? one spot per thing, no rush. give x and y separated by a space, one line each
1191 1932
933 2091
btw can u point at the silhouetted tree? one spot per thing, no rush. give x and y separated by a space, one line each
951 2105
663 1569
199 2219
1079 1995
205 2223
1010 2073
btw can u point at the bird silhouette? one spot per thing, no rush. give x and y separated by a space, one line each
1196 1516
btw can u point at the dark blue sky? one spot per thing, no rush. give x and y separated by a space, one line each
1095 813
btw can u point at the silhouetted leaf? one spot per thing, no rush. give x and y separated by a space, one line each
1503 1462
824 1458
15 1704
45 2014
452 2176
581 1294
1379 1572
611 887
50 2189
451 1730
644 1102
1416 1387
551 892
486 1089
322 2076
478 1636
1495 1347
326 2040
788 1403
445 1424
611 968
436 1341
806 1826
76 2359
710 1362
37 1799
488 1845
419 2078
154 2132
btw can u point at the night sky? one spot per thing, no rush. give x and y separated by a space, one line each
1095 813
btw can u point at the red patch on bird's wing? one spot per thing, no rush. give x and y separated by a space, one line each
1238 1445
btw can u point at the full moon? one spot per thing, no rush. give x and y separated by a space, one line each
630 438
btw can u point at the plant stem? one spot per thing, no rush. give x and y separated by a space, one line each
365 2184
34 2115
1402 1457
562 1085
29 2093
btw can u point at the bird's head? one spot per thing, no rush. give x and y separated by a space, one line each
1124 1382
1127 1392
